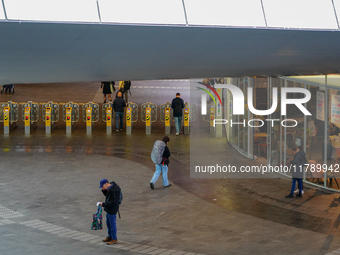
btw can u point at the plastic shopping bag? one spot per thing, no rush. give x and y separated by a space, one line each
97 220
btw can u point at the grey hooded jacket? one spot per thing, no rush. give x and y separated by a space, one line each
298 164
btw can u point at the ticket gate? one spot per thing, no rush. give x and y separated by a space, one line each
131 116
90 116
50 115
70 116
9 114
30 115
107 117
211 116
218 114
148 115
189 115
166 116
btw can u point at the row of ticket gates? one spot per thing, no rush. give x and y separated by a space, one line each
9 114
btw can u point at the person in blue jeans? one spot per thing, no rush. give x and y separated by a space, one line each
111 207
298 163
162 167
118 107
177 105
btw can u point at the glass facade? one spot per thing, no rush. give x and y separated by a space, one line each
289 14
270 138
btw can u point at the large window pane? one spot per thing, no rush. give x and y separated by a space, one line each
315 130
276 132
260 101
333 138
317 14
225 13
337 7
146 11
52 10
2 15
235 128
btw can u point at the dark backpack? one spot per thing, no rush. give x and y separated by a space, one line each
118 195
127 85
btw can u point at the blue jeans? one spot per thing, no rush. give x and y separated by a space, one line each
111 225
119 116
161 169
178 121
299 184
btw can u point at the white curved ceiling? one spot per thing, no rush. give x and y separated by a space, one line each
306 14
89 40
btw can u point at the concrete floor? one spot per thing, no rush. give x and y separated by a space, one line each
49 190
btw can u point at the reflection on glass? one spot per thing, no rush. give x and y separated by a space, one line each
318 134
261 126
276 134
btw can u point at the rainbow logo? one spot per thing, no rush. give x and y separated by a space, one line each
204 99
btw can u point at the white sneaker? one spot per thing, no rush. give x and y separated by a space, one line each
297 191
177 133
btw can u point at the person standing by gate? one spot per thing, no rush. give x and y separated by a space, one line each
177 105
118 107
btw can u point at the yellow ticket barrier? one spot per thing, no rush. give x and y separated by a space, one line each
212 118
109 120
148 120
167 120
6 120
128 120
27 120
89 120
48 126
68 120
186 121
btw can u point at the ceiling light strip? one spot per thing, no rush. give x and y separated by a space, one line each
3 6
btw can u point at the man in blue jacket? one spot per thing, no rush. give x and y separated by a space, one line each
111 207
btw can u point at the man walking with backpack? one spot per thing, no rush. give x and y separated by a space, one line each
160 156
113 197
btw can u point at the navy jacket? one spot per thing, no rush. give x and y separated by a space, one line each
177 105
110 205
119 104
